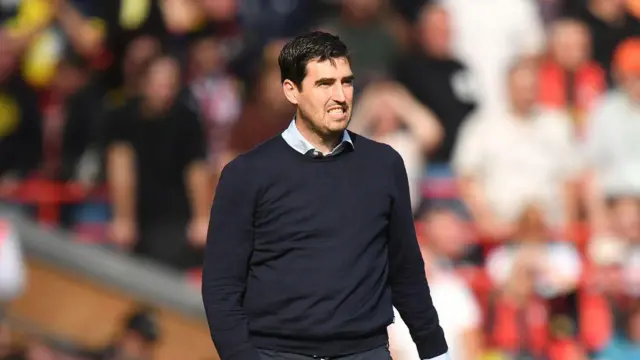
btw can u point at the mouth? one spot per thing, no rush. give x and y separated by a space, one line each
337 112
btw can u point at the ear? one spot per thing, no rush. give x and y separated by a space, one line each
290 91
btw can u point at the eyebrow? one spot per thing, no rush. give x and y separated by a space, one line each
321 81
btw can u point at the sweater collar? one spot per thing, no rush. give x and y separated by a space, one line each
294 138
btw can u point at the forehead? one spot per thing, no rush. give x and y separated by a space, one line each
331 69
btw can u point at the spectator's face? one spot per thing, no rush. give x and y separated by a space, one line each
162 83
361 9
571 45
523 86
435 31
206 57
610 6
220 10
387 123
445 232
138 53
326 96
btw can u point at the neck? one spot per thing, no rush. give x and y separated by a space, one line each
323 143
150 109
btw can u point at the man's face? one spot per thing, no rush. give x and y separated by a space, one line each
162 82
571 45
435 31
326 97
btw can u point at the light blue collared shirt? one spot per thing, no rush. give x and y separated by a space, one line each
293 137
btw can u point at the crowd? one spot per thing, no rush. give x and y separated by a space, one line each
524 113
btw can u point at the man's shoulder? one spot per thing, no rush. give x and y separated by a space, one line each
369 148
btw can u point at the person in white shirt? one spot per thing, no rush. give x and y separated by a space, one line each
458 310
613 139
506 160
492 34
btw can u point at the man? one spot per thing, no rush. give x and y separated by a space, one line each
433 74
157 172
612 139
508 160
311 237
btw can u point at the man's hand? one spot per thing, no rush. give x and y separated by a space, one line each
123 233
197 231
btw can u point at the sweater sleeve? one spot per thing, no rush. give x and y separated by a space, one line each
410 291
226 264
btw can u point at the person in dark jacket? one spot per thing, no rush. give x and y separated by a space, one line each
311 239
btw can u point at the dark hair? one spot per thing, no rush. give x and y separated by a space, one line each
143 321
313 46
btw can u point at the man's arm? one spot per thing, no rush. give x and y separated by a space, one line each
226 265
87 35
411 295
197 175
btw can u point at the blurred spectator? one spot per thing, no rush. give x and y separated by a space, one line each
216 94
12 268
265 114
443 224
489 36
140 51
556 266
387 113
516 322
362 27
610 24
20 144
509 160
613 135
433 75
458 311
569 80
157 172
71 111
620 248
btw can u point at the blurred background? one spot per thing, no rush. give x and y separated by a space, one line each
518 121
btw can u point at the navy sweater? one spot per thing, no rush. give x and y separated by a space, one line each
307 255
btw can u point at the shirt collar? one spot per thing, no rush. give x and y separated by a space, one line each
294 138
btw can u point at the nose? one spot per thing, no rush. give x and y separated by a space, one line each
338 94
